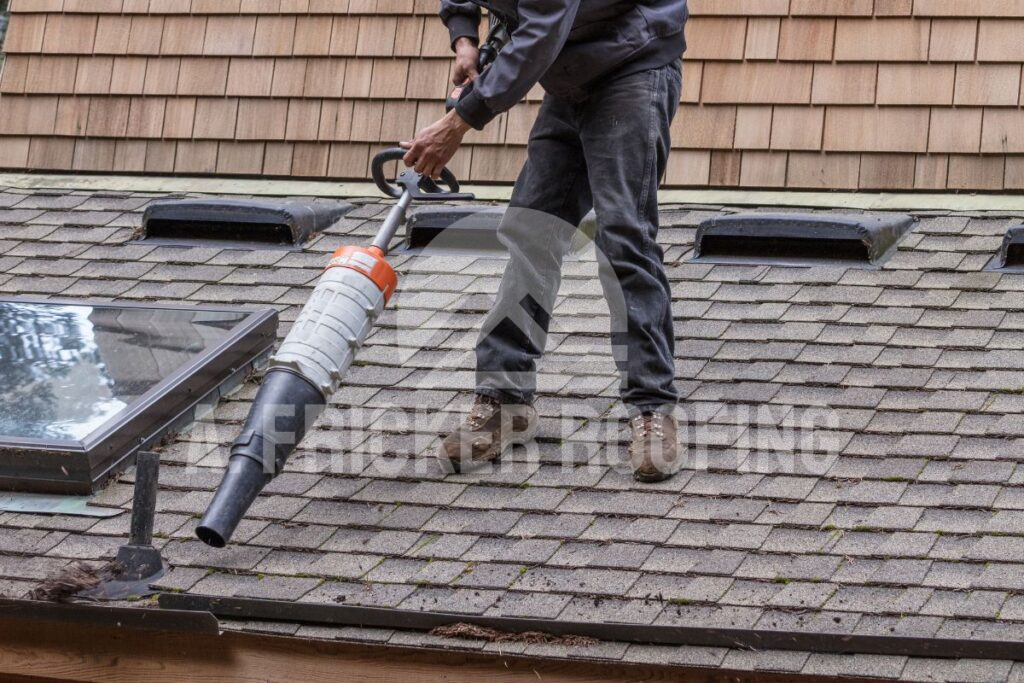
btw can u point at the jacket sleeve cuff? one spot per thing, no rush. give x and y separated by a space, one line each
462 26
474 110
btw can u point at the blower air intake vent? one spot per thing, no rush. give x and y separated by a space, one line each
238 223
800 239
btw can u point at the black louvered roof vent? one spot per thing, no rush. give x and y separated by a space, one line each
1011 254
239 223
455 227
473 229
800 239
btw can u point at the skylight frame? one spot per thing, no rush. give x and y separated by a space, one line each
31 465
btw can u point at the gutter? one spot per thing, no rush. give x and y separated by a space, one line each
646 634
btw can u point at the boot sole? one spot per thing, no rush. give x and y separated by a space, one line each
653 478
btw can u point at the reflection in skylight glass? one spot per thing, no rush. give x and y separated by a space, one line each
66 370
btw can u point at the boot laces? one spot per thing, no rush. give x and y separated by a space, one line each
648 423
482 411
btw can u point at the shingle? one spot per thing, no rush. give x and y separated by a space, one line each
371 595
533 605
873 666
29 541
197 554
857 492
974 604
472 521
367 541
645 504
879 600
765 660
796 514
707 508
424 493
292 536
332 565
953 521
612 555
979 671
343 513
275 588
589 581
550 525
610 610
395 570
179 579
952 547
447 546
955 496
526 551
725 616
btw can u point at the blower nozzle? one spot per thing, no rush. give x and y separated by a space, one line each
285 408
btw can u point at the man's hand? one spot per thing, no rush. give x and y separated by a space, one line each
466 56
435 145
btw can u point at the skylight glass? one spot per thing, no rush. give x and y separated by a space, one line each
82 385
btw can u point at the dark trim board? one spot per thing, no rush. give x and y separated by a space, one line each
131 618
648 634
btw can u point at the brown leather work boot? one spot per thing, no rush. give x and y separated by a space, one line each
491 428
653 450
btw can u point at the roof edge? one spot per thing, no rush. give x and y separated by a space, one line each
863 201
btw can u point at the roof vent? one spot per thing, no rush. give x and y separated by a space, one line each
1011 254
800 239
235 222
474 229
455 227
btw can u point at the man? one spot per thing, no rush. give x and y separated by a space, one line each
611 72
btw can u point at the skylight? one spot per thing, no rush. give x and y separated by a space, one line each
83 385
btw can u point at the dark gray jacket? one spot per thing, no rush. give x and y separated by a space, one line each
566 45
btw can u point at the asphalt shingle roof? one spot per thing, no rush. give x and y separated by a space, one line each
912 525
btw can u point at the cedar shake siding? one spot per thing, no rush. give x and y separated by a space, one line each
807 94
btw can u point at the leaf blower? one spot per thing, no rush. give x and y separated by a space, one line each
313 359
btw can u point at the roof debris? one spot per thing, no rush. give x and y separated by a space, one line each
492 635
72 580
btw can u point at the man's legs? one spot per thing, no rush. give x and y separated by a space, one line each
624 128
617 143
549 200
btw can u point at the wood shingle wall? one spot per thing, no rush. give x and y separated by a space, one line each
871 94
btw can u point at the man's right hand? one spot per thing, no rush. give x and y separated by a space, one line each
466 56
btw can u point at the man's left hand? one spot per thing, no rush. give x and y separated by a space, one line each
434 146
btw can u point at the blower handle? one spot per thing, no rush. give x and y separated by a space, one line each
419 187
